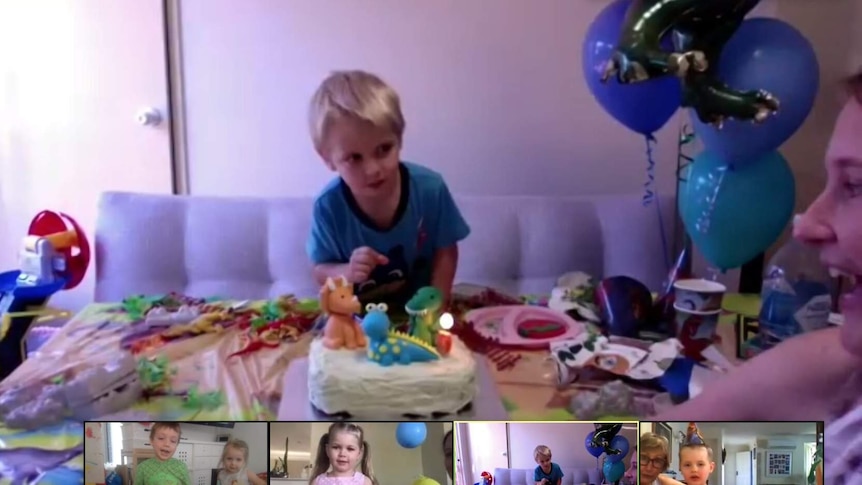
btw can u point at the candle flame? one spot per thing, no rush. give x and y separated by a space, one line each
446 321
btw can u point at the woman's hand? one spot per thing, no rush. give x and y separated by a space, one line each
667 480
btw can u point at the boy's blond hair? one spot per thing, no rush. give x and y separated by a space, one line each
542 451
165 425
696 447
655 442
354 94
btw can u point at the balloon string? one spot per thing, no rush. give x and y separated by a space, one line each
651 195
649 185
703 223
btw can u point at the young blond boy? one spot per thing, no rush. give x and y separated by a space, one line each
695 464
164 469
390 227
547 473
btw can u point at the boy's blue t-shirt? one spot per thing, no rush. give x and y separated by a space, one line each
555 475
427 219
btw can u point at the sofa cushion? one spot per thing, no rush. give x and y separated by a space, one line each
255 247
524 476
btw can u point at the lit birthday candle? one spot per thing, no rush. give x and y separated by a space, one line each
444 337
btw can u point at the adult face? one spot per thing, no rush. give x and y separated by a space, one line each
652 463
833 222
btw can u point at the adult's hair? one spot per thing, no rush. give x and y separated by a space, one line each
655 442
448 440
854 85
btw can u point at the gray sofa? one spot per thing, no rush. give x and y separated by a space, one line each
255 248
524 476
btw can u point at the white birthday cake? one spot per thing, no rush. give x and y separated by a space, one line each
370 371
344 381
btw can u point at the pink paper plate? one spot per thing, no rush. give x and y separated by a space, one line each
502 324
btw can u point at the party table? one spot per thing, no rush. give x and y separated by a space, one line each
207 381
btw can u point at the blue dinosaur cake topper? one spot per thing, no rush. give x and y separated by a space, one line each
387 346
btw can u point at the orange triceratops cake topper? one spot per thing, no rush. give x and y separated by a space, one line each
693 436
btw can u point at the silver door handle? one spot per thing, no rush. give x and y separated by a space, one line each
149 117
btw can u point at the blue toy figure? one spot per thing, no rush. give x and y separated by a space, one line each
386 346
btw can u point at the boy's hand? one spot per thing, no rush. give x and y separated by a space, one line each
362 263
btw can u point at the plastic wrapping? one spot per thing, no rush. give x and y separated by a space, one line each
796 295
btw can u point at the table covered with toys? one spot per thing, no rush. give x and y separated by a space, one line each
589 349
183 358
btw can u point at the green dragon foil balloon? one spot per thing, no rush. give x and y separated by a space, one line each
700 30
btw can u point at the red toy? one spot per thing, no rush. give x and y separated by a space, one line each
487 479
68 239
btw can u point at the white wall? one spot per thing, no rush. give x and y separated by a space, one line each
509 94
730 464
197 432
433 461
524 107
300 442
520 121
799 473
449 426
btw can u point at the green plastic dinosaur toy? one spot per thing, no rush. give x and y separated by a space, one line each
156 374
424 311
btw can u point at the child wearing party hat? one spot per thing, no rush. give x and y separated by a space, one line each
695 459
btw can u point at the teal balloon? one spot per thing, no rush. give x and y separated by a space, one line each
734 214
613 470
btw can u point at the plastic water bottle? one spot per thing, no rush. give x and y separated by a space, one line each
796 295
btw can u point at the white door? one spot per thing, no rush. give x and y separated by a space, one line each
73 77
743 468
488 449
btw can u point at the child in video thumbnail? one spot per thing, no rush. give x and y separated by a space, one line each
344 449
695 462
547 473
234 463
164 469
631 476
695 459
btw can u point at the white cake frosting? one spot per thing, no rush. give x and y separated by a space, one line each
347 381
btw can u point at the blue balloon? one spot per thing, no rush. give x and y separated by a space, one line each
622 444
596 451
642 107
752 205
410 434
768 54
613 470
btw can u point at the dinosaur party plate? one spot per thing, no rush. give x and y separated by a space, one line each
524 326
